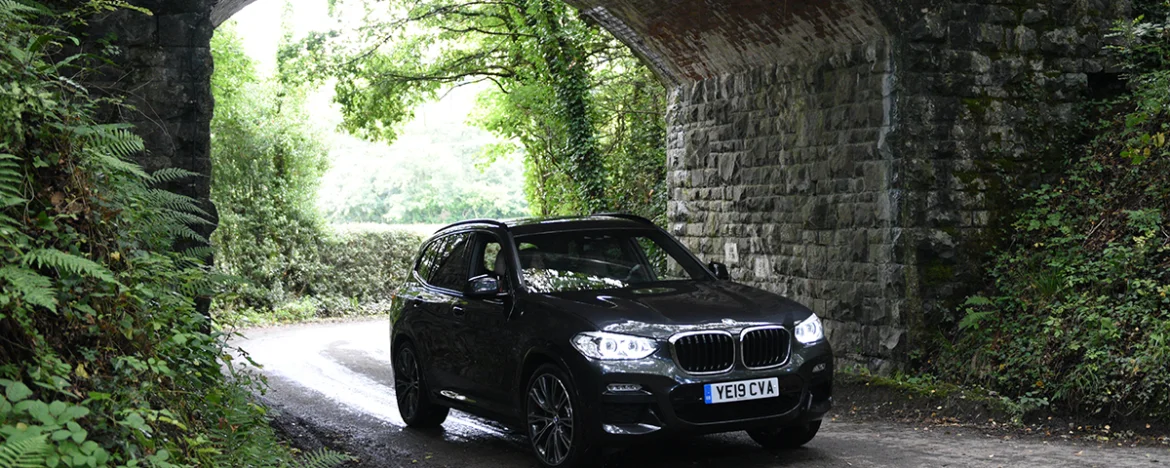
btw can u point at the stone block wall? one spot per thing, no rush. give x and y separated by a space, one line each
162 69
868 183
989 93
785 174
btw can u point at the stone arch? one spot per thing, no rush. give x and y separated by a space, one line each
829 150
223 10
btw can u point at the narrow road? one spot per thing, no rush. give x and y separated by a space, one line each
333 381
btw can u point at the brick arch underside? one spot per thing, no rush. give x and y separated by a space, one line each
223 10
778 149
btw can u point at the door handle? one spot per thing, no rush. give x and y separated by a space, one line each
458 311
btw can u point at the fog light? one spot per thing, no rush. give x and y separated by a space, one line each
819 367
624 387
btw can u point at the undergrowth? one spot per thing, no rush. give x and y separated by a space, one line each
1078 315
105 360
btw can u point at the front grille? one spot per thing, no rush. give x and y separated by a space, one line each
689 405
705 352
765 347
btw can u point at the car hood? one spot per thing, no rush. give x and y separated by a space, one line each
663 309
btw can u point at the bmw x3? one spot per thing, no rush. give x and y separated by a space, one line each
600 331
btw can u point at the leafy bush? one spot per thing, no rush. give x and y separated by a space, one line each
106 361
1079 314
355 273
366 266
267 162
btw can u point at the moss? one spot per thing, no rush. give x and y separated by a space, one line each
978 106
937 274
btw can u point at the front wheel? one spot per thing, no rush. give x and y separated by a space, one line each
785 437
410 389
555 428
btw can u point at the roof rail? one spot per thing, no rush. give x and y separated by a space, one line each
474 221
628 216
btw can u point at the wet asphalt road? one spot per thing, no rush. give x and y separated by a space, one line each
332 383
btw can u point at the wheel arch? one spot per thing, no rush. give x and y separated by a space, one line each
533 359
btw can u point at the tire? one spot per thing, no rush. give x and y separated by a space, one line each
785 438
553 419
412 393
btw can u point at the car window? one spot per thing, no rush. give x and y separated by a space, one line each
429 259
602 259
492 262
452 268
662 266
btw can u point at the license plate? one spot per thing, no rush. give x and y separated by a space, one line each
742 390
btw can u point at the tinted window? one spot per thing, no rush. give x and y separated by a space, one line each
597 259
451 269
429 259
486 259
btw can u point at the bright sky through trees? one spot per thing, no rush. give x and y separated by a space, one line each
375 182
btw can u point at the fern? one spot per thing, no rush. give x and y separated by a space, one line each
11 177
27 453
114 164
183 231
33 287
112 146
11 10
119 141
170 174
198 253
184 218
63 261
324 458
176 202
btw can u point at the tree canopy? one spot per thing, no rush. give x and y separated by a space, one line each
586 113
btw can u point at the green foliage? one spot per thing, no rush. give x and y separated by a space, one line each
106 361
586 114
267 162
1079 315
428 175
366 265
324 459
356 273
27 453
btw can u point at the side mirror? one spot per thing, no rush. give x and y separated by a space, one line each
720 271
484 286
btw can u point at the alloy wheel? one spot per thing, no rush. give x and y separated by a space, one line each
550 419
406 382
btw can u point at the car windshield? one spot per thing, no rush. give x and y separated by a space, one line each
602 259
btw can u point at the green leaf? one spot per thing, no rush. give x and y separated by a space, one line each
67 262
17 392
32 287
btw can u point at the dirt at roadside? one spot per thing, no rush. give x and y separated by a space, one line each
859 399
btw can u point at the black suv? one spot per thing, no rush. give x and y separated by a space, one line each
594 331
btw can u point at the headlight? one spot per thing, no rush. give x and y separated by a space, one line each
612 346
810 330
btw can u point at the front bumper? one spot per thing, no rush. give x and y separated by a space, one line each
671 401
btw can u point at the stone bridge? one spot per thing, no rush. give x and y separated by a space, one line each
851 154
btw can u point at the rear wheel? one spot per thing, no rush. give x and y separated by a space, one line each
789 437
410 388
555 427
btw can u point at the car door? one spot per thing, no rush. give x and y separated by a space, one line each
490 339
443 316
